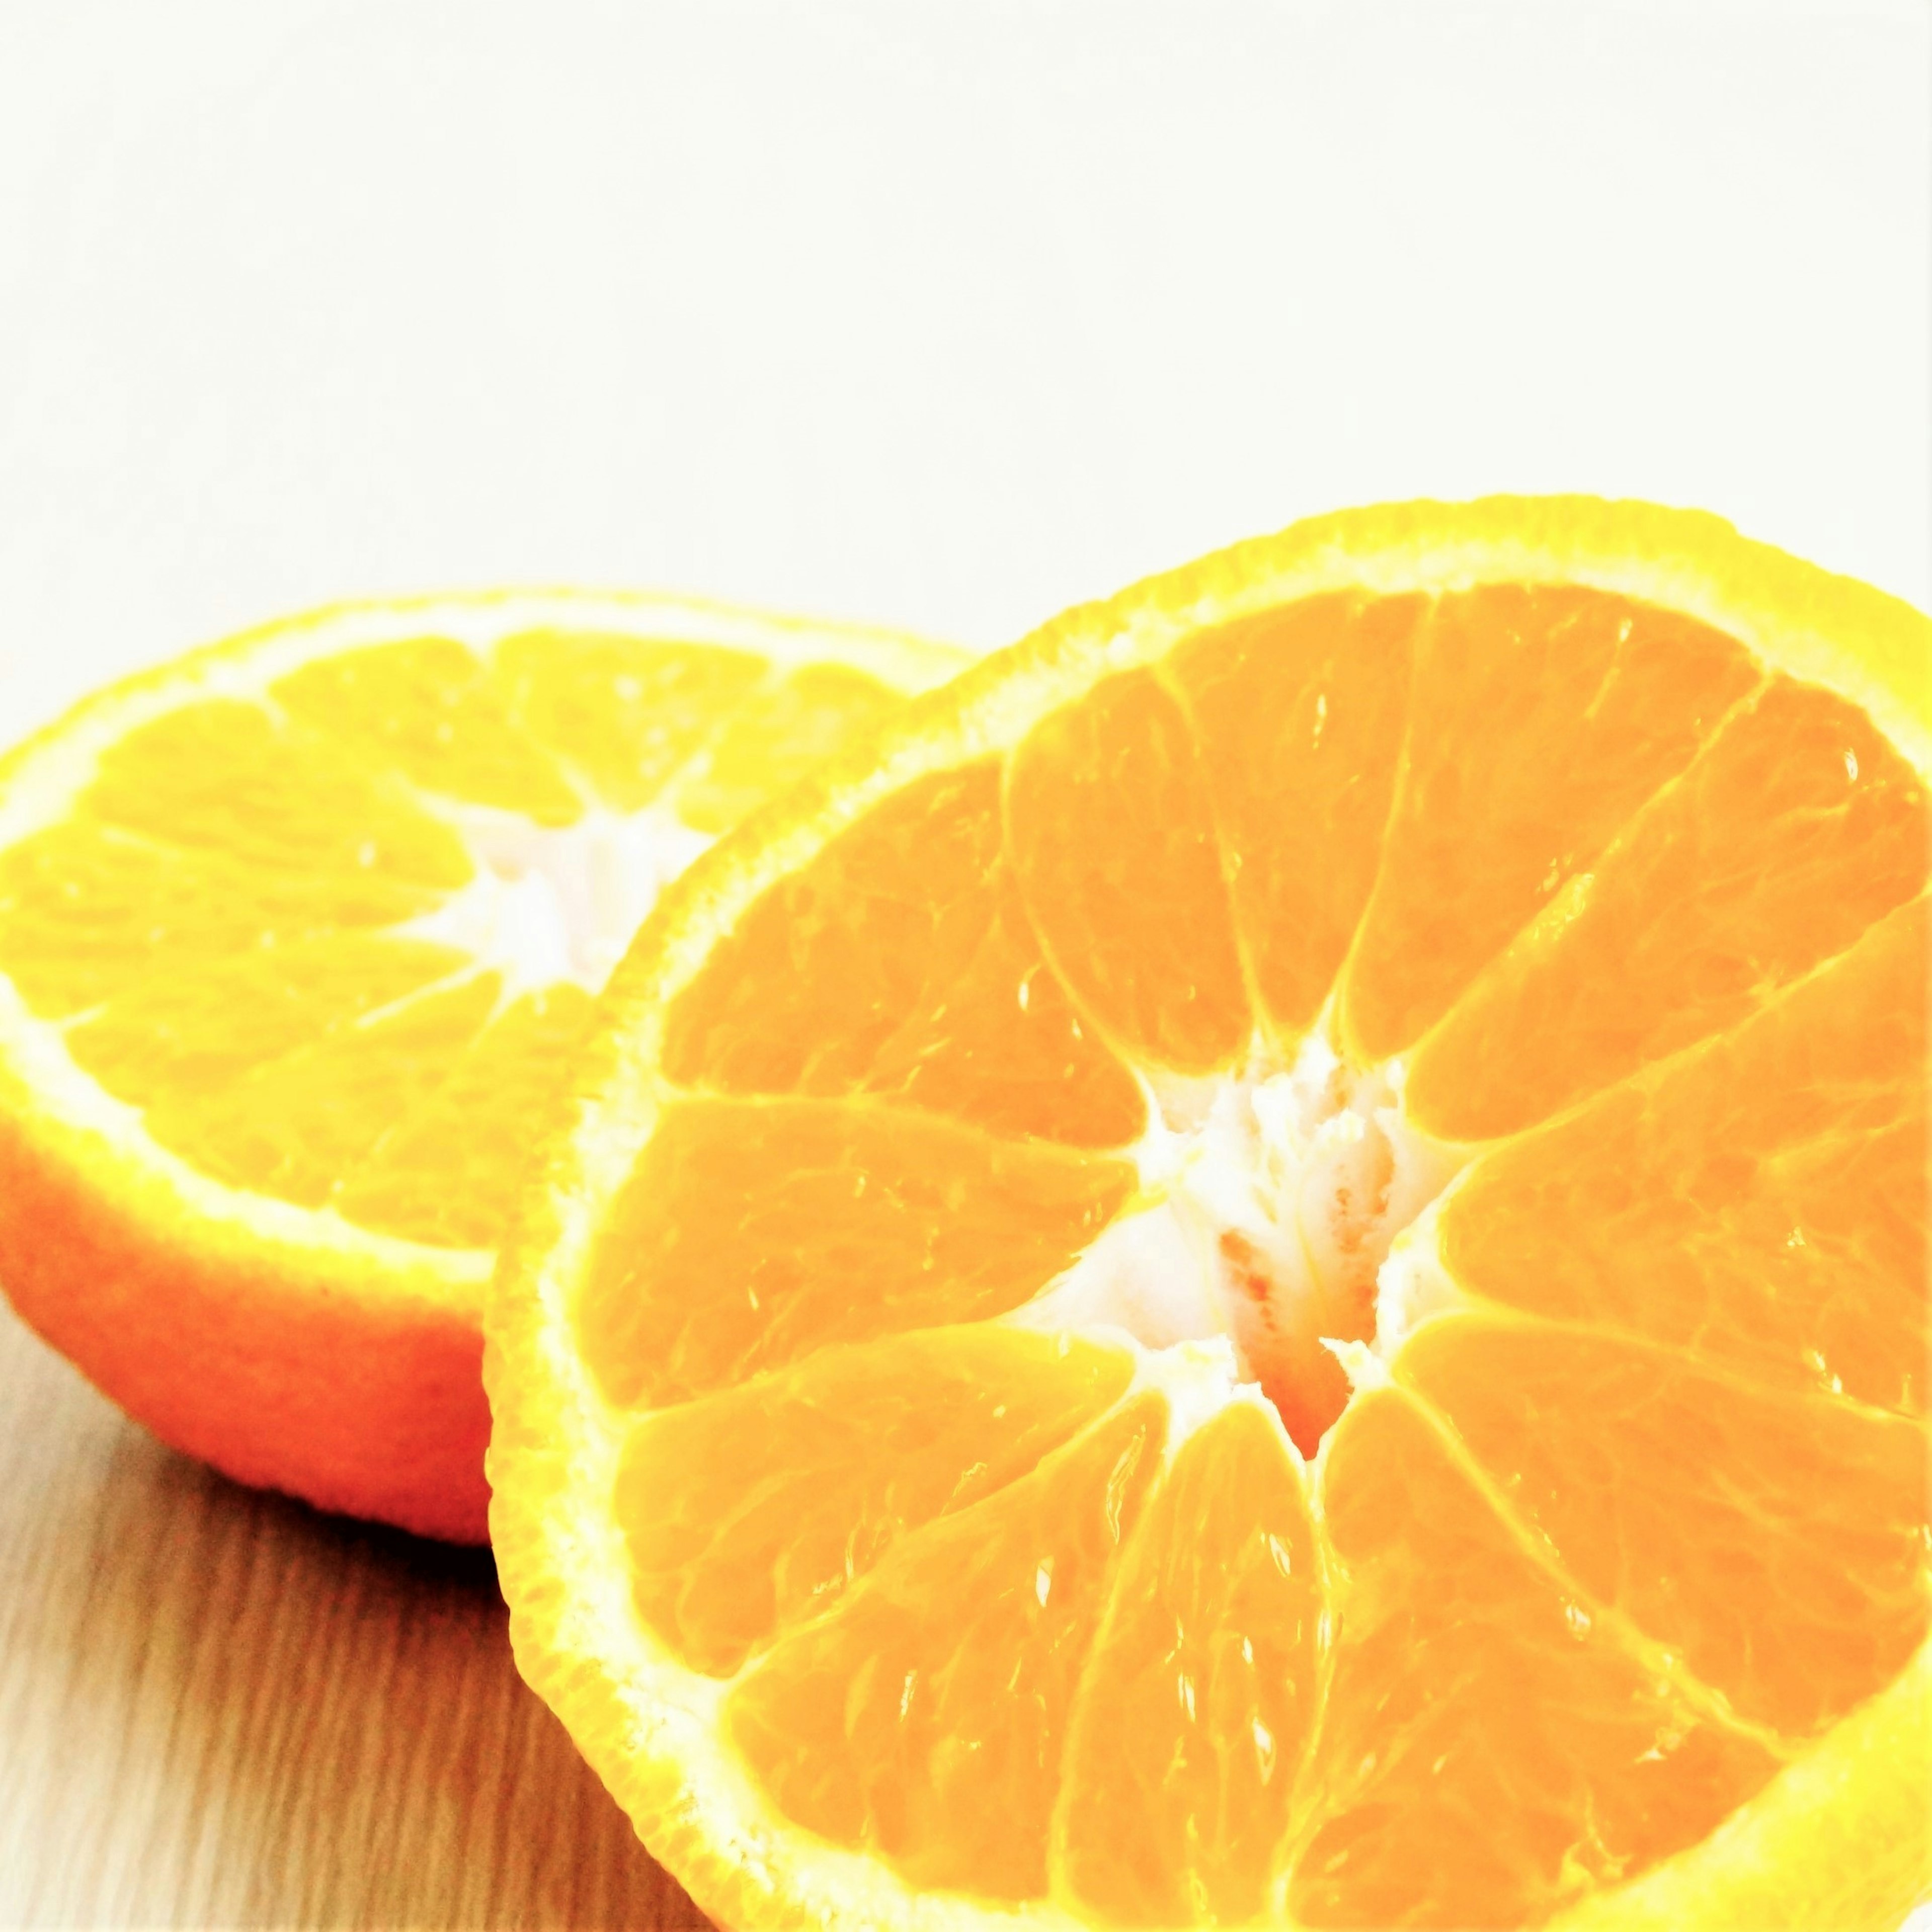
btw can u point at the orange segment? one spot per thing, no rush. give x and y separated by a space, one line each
993 1038
625 715
293 1127
426 707
901 961
1762 1204
87 912
1113 841
1489 1750
754 1232
188 1033
223 777
748 1511
1202 1692
1797 828
1544 716
447 1172
1776 1543
1301 712
924 1719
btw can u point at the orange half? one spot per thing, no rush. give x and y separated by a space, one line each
295 935
1270 1267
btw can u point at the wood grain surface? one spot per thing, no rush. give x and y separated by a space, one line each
219 1708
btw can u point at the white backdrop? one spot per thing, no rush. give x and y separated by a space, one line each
941 315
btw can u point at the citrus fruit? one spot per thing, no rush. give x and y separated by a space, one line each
1270 1266
292 934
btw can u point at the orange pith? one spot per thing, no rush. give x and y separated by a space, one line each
295 935
1493 941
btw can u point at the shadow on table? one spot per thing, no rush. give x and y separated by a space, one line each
219 1708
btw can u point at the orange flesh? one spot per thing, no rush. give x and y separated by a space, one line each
751 1509
1201 1694
1621 1537
225 915
1688 1500
1329 680
1144 939
1799 827
1489 1745
1760 1204
1542 719
937 1739
735 1245
896 965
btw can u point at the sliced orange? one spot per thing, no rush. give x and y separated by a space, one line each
1271 1267
294 935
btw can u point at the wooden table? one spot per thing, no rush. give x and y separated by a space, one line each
219 1708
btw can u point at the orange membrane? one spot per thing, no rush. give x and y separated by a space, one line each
1060 1123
